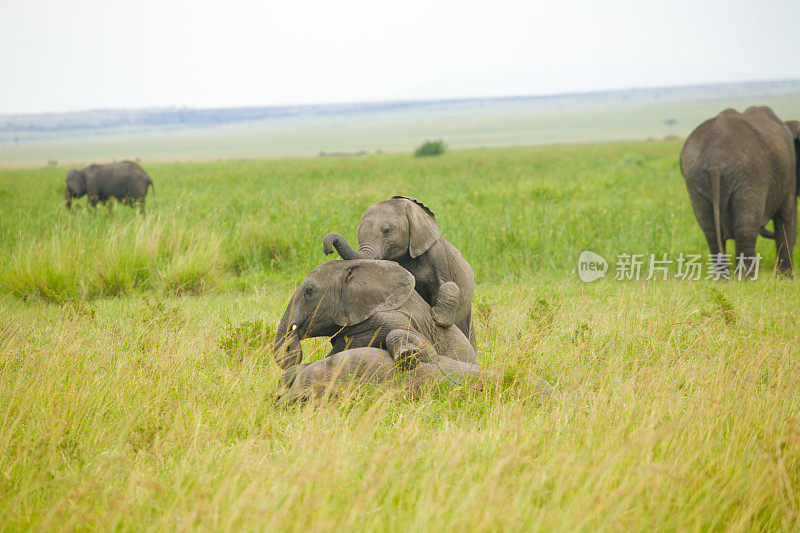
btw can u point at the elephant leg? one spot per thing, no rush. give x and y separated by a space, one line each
720 262
409 348
703 211
93 201
747 214
446 373
785 235
338 345
444 310
745 238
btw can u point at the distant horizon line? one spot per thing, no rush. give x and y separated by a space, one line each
409 101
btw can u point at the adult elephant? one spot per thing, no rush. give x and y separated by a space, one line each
369 303
125 181
404 230
741 170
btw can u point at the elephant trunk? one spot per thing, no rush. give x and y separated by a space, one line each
68 199
335 240
287 349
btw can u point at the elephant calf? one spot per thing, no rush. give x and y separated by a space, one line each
330 376
741 170
368 304
358 368
404 230
125 181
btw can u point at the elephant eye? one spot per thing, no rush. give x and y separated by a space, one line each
308 292
386 230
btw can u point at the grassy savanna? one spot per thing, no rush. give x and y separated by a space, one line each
493 124
135 368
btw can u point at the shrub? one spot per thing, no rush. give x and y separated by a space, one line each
436 147
244 338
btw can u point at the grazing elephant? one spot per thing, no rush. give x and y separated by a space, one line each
369 303
741 170
404 230
125 181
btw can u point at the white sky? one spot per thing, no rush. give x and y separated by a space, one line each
58 55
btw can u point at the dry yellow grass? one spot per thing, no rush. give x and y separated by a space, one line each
148 407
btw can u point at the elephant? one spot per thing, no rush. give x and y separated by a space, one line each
356 367
404 230
369 303
359 368
125 181
741 170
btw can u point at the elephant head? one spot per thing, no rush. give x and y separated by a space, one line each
794 127
335 295
389 230
76 186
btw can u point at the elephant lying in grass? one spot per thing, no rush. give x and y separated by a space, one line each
404 230
359 368
362 304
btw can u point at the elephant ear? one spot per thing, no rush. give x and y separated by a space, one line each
412 199
422 228
370 286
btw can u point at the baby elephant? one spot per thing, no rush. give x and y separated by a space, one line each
359 368
125 181
356 368
362 304
404 230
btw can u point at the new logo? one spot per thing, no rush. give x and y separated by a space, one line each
591 266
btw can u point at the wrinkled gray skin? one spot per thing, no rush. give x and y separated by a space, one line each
368 303
404 230
125 181
357 368
741 170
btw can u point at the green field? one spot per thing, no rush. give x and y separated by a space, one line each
135 361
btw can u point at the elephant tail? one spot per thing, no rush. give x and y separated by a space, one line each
767 234
714 174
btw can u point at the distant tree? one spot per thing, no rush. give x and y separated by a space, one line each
669 123
435 147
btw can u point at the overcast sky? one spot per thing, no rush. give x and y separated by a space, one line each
58 55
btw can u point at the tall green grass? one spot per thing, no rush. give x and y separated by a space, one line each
135 363
90 257
513 213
